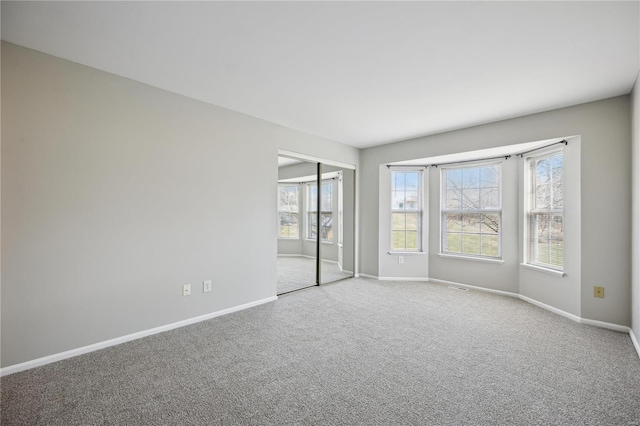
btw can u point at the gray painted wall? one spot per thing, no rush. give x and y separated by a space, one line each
115 194
605 181
635 290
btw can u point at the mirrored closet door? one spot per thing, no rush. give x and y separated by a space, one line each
316 223
296 253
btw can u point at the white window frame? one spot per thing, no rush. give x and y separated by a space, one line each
529 255
310 210
419 210
281 212
444 211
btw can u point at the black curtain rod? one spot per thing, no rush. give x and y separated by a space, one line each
506 157
522 154
415 166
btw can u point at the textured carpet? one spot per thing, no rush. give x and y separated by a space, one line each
296 272
355 352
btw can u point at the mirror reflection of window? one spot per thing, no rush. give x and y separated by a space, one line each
326 214
288 211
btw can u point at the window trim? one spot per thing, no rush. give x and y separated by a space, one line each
297 186
420 211
528 201
443 193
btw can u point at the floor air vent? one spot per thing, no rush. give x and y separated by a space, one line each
457 288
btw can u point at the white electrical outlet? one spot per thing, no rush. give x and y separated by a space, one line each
186 290
400 259
206 286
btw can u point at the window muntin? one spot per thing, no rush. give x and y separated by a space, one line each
406 210
546 211
288 211
471 209
326 213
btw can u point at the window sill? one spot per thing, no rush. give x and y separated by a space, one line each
543 269
406 253
288 239
473 258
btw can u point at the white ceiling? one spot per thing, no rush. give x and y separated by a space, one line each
362 73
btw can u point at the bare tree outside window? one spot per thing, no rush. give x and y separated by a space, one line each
546 211
472 210
326 214
288 208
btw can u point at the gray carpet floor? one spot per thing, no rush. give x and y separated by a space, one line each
355 352
296 272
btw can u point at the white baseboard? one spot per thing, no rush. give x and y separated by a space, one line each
473 287
596 323
608 325
118 340
550 308
634 341
363 275
297 255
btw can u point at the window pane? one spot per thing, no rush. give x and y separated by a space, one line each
546 231
543 197
397 240
540 242
471 223
471 244
557 179
405 197
490 223
411 240
490 176
454 243
288 199
411 221
453 179
454 198
326 203
411 180
480 190
398 221
312 204
398 181
327 226
411 200
327 197
453 222
542 171
471 178
289 225
397 200
470 199
313 226
556 241
490 245
490 198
